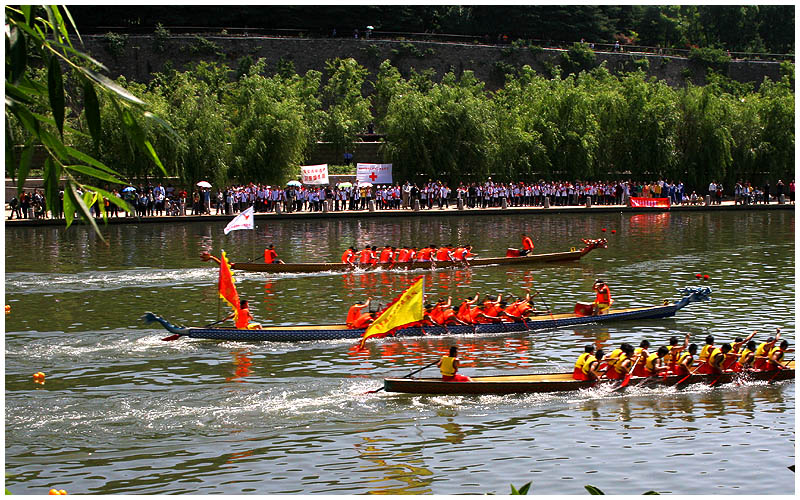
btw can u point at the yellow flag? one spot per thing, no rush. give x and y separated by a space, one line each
403 311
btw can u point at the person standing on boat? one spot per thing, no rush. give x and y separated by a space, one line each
527 245
271 256
602 301
448 366
587 356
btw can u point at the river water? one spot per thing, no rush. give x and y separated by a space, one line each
123 412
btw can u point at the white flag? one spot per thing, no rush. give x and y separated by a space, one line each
374 173
242 221
315 174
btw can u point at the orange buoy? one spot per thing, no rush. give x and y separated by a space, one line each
8 309
613 231
604 230
62 492
705 276
54 491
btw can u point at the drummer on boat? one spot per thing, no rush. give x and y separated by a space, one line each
448 366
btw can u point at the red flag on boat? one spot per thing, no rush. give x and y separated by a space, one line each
227 290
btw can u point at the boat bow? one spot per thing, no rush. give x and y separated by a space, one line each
177 330
693 294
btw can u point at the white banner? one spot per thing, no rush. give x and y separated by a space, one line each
375 173
315 174
242 221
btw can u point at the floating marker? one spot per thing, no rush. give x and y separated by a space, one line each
604 230
613 231
698 276
705 276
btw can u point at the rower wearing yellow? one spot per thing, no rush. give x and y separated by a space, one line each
577 372
448 366
762 351
705 352
716 360
685 360
746 358
776 356
654 365
591 367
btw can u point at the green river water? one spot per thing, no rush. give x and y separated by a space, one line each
122 412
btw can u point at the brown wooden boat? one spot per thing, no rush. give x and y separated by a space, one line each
317 267
562 382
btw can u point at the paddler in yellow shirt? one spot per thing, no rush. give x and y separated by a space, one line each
448 366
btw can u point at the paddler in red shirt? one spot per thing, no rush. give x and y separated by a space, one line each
527 244
366 256
355 312
387 255
349 256
443 254
271 256
463 253
242 317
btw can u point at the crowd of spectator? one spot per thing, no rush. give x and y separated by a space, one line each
158 200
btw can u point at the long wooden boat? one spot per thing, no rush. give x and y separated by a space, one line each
562 382
337 332
316 267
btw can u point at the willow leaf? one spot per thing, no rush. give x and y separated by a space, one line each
109 84
84 210
116 200
93 172
69 207
91 107
55 146
19 54
24 166
23 115
52 174
91 161
55 87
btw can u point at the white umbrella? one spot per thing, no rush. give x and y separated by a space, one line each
128 189
344 185
204 184
293 183
365 184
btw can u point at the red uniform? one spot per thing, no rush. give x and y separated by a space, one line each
270 255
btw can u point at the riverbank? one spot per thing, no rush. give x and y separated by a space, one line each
435 212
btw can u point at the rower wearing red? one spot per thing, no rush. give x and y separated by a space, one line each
271 256
527 245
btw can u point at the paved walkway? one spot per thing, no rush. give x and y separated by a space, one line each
451 211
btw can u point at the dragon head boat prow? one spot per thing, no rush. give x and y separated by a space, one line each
693 294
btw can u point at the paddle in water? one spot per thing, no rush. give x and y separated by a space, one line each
406 376
627 378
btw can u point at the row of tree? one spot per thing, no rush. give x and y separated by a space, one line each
596 125
746 28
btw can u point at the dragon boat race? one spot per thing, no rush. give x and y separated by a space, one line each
391 249
118 410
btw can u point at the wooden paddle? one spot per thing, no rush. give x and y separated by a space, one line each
406 376
691 373
628 375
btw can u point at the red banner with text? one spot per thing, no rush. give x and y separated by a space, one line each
649 202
